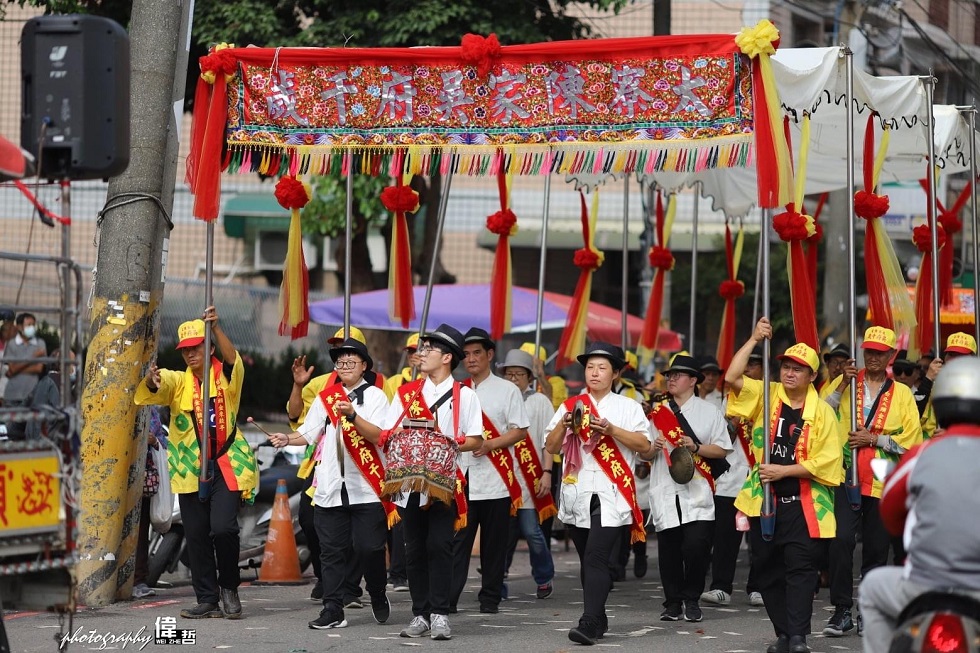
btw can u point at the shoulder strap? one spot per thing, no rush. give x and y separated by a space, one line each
682 421
874 407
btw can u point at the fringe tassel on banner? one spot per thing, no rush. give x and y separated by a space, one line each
662 262
294 305
588 260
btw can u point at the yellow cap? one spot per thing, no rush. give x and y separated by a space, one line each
878 338
355 333
528 347
190 334
412 342
961 343
802 354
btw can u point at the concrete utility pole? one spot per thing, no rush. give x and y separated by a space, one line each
127 295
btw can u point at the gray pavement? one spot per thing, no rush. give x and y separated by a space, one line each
275 620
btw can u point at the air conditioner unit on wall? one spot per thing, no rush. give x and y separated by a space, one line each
270 250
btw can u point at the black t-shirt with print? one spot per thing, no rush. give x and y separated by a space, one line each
783 449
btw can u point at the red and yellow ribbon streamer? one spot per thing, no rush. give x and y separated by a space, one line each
730 290
294 305
504 224
400 199
588 260
922 238
662 262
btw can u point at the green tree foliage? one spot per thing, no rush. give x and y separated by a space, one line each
326 211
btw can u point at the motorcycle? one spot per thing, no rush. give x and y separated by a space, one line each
168 551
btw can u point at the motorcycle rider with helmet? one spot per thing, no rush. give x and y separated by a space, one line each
932 500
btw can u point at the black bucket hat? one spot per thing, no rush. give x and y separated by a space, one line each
351 346
709 363
448 336
612 352
686 364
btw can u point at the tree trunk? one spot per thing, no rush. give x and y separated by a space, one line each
362 274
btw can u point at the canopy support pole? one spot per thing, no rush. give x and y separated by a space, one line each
543 260
626 259
852 482
768 509
694 267
203 474
971 111
348 237
932 209
440 222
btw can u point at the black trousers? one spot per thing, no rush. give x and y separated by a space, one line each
684 555
726 543
141 568
875 542
595 546
493 518
396 554
306 523
361 526
639 549
548 524
429 554
211 529
785 569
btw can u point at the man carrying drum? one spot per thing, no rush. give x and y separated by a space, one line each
682 507
803 436
493 492
348 512
599 433
430 418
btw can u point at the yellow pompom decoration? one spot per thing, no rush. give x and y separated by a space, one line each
758 40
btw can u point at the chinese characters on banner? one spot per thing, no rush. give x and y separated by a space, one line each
30 493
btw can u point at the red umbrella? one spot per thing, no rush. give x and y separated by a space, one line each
606 324
14 162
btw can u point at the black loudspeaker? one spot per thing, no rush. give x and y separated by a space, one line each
75 95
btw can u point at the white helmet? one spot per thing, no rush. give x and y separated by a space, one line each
956 392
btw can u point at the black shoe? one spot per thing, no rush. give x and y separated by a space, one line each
839 623
797 644
619 573
489 608
453 609
672 613
328 620
781 645
231 604
203 611
381 608
317 593
640 566
692 611
585 633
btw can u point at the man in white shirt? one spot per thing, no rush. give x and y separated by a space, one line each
493 491
684 513
343 423
429 524
708 389
534 473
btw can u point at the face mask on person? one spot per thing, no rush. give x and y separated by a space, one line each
30 331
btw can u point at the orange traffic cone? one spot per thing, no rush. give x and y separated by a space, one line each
280 563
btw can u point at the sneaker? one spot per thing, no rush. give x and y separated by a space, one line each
585 633
399 585
203 611
142 591
672 613
440 628
317 593
718 597
546 590
231 605
353 604
381 608
328 620
692 611
839 623
417 628
755 598
640 566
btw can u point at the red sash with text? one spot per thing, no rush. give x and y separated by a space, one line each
876 426
220 424
611 461
744 430
530 466
666 422
362 452
502 461
414 404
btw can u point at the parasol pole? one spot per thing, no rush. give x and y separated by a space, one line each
758 282
694 267
852 484
932 209
348 237
626 258
543 259
971 111
768 514
440 221
204 475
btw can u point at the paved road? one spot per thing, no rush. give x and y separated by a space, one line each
276 617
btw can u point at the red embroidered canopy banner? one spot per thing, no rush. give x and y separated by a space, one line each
681 103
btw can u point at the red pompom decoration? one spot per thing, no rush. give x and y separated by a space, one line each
661 258
480 52
870 206
790 226
731 289
220 62
502 222
922 237
586 259
291 193
817 234
951 223
400 199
